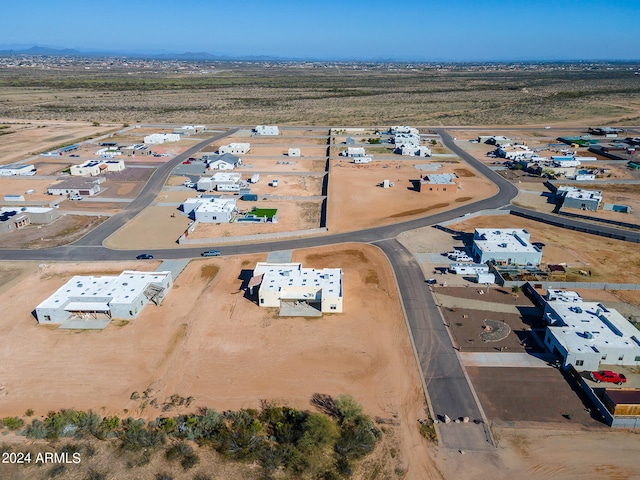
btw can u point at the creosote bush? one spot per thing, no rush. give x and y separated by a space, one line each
278 437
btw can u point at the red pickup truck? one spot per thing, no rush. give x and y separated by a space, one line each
608 376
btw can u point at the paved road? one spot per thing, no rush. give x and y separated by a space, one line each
148 195
449 390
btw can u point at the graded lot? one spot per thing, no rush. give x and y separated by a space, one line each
209 341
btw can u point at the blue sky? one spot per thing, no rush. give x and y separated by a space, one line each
443 30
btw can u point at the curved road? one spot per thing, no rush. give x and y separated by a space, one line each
448 388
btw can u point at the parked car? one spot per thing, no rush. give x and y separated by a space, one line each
608 376
211 253
144 256
431 281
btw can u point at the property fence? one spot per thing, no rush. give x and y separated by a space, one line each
595 230
613 421
601 220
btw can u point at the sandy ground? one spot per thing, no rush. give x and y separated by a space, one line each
536 452
283 150
256 165
18 185
356 202
208 341
30 137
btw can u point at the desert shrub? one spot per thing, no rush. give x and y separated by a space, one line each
319 432
136 435
57 470
70 448
29 412
178 450
95 475
167 425
357 439
108 426
13 423
37 429
209 426
242 435
348 409
189 461
202 476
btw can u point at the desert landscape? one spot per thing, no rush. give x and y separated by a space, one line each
209 342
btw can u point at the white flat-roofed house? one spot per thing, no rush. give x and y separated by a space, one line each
353 152
267 130
158 138
219 179
401 139
414 150
123 296
235 148
215 210
508 246
573 197
587 334
395 129
289 282
17 169
514 152
96 167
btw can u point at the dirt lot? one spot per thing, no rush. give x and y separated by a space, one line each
257 165
580 250
210 342
18 185
34 136
283 150
356 202
65 229
517 395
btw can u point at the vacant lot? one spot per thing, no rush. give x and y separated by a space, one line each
65 229
356 201
28 137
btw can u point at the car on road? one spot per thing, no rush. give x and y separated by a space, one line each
608 376
211 253
144 256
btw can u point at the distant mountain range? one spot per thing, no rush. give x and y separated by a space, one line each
71 52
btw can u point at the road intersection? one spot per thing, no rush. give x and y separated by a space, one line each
448 389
